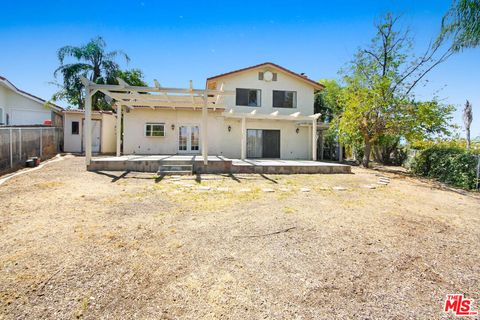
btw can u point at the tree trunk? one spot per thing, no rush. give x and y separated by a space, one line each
468 138
377 153
366 153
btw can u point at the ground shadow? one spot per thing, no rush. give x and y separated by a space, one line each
267 178
115 178
159 178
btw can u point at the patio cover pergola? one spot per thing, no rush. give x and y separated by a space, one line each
127 96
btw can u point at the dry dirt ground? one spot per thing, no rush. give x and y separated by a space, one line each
77 244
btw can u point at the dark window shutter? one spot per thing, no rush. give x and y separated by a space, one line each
260 76
274 78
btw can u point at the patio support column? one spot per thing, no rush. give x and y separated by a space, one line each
244 139
314 139
119 129
204 128
87 130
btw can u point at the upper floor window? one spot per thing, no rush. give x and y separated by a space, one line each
284 99
248 97
1 116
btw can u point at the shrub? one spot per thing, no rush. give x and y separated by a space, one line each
452 165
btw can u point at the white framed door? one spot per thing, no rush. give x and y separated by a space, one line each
96 131
188 139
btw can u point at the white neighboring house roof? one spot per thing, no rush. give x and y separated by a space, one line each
5 82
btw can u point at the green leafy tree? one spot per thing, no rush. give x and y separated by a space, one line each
378 99
461 24
91 61
328 102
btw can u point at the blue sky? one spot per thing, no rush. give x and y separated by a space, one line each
178 41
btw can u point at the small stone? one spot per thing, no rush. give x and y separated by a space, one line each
268 190
187 185
339 188
369 186
382 183
305 190
204 188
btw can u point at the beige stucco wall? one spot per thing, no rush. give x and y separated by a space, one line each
220 140
22 110
249 80
73 143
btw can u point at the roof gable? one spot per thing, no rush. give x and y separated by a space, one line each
300 77
30 96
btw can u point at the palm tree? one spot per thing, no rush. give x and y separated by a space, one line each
92 62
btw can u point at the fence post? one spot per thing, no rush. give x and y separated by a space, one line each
20 142
478 172
11 148
41 142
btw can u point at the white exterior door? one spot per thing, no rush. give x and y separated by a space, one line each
188 139
96 127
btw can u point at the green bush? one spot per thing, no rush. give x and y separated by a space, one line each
452 165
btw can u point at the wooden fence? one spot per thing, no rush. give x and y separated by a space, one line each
17 144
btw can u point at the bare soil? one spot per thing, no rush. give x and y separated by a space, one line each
113 245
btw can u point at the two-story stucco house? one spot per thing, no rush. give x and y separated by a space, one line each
269 115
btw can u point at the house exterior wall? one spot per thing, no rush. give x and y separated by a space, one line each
73 142
135 141
221 142
249 80
22 110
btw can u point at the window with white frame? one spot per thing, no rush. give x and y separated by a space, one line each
155 129
248 97
284 99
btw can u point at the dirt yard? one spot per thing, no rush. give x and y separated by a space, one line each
77 244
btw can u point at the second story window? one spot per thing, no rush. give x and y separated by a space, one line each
284 99
248 97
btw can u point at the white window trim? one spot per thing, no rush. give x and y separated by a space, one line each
259 98
294 101
71 127
154 123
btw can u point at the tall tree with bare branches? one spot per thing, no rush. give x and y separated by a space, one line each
380 82
467 120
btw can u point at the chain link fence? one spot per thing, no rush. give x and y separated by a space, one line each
18 144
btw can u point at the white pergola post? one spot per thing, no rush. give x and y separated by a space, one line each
119 129
314 139
87 131
204 128
244 139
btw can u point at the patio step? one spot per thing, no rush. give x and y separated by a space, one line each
180 169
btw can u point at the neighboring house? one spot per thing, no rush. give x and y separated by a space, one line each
18 107
269 114
103 131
